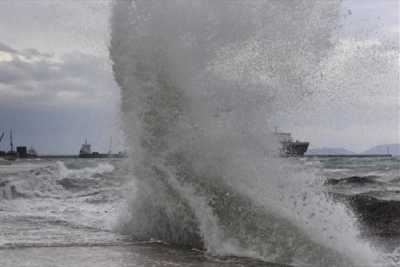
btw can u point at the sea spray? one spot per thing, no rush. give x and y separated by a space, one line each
201 82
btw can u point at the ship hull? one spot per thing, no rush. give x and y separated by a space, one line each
11 156
294 149
101 156
94 156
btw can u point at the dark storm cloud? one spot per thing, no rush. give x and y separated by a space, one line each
24 69
41 78
31 52
6 48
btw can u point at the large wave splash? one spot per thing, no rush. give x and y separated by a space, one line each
201 82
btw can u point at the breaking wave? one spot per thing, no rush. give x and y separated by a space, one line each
201 83
87 172
50 181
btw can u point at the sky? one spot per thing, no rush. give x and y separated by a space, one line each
56 84
57 87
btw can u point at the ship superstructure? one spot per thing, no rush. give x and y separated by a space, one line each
86 149
290 148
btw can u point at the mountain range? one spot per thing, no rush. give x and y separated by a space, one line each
329 151
393 149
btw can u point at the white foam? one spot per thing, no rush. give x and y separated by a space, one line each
86 172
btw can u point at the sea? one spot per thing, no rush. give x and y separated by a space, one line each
68 212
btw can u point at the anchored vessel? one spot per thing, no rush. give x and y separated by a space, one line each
290 148
86 152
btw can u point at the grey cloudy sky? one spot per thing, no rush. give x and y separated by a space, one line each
57 88
56 84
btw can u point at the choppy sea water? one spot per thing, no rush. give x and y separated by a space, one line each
67 212
64 213
371 188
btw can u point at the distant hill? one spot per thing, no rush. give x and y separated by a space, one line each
329 151
393 149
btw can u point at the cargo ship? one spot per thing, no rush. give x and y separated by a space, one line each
290 148
86 152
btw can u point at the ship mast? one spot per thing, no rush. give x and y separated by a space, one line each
110 148
11 142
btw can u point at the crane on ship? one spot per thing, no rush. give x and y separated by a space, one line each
10 155
1 138
11 143
2 153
